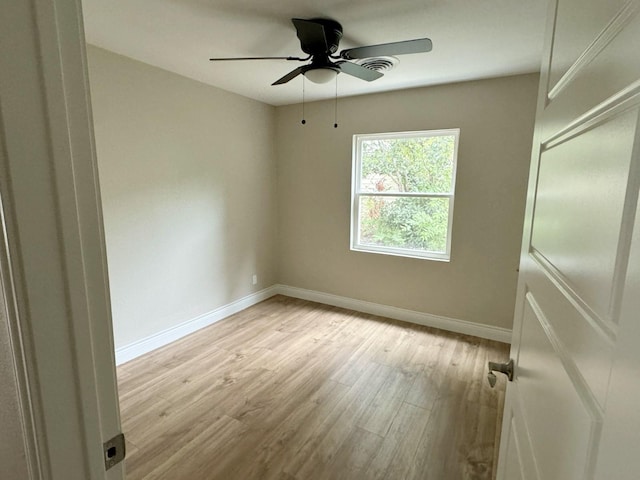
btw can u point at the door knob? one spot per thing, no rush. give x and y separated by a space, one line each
506 368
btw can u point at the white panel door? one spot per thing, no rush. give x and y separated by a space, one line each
575 398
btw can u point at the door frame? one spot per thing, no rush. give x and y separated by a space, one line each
54 266
511 398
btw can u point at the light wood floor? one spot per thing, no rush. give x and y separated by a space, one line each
290 389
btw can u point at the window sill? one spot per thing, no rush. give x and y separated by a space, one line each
401 253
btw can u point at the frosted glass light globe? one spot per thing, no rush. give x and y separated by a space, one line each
321 75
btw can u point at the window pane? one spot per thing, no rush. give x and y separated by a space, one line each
412 164
404 222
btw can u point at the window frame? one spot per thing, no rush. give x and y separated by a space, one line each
356 193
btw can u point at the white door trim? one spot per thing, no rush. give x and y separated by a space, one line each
29 441
57 260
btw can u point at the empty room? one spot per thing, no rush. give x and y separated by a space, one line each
320 240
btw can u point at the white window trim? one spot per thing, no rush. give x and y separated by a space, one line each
356 194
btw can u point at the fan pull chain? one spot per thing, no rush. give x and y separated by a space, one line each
335 113
303 120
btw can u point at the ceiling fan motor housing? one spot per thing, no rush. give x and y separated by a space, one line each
317 46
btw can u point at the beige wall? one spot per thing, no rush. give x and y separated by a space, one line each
314 180
193 207
187 173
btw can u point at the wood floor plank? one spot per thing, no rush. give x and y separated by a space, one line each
399 446
352 460
426 386
459 439
295 390
361 357
308 433
281 440
185 461
212 375
381 411
328 439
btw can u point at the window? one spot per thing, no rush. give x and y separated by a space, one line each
402 193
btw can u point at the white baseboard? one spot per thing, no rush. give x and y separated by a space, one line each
160 339
426 319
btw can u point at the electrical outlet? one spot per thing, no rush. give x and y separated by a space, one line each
254 279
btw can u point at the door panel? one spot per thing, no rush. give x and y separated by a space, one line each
620 443
514 467
583 341
573 329
518 461
580 199
564 419
578 23
606 70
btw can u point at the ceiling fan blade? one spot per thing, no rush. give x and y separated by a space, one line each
419 45
359 71
258 58
312 35
289 76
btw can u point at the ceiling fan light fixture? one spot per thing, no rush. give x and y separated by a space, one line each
319 39
321 75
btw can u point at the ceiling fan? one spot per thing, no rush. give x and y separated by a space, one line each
319 39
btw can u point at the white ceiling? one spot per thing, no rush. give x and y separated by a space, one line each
472 39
